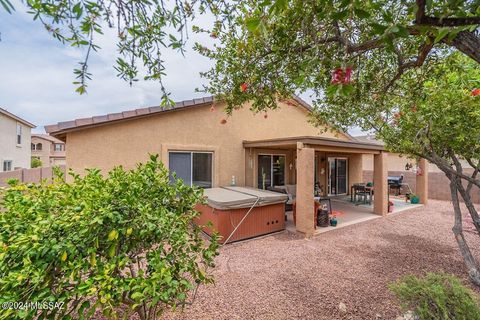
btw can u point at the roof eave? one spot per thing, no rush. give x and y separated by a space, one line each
17 118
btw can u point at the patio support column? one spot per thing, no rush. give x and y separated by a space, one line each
380 183
422 181
355 170
305 189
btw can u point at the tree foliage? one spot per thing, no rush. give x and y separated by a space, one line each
291 44
282 47
145 30
119 244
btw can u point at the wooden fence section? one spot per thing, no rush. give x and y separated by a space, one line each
28 175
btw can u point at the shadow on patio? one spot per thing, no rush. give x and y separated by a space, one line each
352 213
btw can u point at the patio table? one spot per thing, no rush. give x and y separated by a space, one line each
364 188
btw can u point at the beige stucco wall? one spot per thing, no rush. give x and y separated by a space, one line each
397 162
9 150
129 142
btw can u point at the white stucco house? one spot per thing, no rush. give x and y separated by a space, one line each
15 141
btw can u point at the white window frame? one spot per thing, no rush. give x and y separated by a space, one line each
3 165
271 165
55 145
19 134
191 162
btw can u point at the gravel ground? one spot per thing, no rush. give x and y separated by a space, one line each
285 276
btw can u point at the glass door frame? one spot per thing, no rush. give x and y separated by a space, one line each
329 182
271 166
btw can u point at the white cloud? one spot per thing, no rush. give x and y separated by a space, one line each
36 74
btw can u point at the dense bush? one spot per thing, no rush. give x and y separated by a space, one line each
437 297
35 162
121 244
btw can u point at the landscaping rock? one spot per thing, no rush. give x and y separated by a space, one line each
342 307
283 276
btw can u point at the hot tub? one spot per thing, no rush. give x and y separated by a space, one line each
227 206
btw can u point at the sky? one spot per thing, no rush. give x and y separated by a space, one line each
36 74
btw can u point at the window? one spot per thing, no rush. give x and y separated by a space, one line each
194 168
271 171
57 147
39 146
19 133
32 146
7 165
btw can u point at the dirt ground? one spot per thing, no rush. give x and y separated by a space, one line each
285 276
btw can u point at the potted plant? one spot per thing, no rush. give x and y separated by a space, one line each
333 218
414 199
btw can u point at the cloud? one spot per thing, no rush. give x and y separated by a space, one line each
36 74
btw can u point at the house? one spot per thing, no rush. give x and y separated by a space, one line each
401 165
15 134
49 150
197 140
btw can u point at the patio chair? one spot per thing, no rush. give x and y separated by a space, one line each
362 193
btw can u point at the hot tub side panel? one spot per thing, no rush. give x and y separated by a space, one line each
260 221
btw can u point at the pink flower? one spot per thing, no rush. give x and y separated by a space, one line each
476 92
348 75
337 76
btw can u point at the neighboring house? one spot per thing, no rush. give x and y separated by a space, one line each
15 134
438 184
276 148
49 150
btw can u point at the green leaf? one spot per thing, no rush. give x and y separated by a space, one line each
340 15
137 296
253 23
442 33
362 14
7 5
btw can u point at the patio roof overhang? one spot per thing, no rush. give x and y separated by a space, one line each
318 143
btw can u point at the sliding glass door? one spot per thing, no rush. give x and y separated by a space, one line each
337 176
271 171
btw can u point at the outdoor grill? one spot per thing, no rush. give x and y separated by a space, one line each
395 183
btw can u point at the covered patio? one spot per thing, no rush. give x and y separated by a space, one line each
332 166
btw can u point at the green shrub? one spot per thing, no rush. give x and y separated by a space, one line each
35 162
437 296
121 244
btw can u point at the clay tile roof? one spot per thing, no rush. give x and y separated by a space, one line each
46 137
60 128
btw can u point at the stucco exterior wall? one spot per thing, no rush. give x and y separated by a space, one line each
9 150
129 142
397 162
